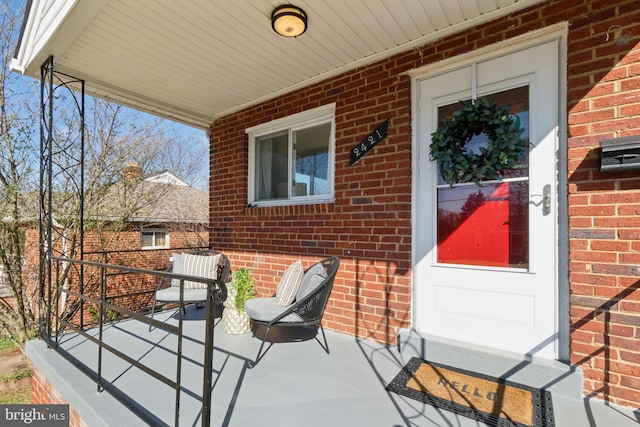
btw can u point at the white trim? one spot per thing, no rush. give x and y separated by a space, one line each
166 177
557 32
562 263
305 119
316 114
50 28
524 41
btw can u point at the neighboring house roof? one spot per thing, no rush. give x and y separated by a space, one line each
28 207
158 198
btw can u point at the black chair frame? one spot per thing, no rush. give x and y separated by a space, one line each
310 309
220 291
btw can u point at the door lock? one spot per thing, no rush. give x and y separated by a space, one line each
546 199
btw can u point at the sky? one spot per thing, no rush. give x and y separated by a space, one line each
191 138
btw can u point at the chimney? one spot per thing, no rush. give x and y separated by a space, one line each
131 171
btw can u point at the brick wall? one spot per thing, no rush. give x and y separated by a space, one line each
117 244
369 225
604 102
42 393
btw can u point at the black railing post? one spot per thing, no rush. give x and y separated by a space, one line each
208 358
179 361
103 295
56 340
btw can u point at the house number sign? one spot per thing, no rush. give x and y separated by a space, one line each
369 142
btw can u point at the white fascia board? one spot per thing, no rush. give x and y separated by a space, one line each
166 177
51 26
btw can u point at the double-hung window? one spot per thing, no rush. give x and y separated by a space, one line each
154 238
291 160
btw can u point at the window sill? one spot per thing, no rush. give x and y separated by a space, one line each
277 203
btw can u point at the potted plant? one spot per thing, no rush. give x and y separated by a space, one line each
240 289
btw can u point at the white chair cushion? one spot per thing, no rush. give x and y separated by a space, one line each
267 309
172 293
289 284
205 266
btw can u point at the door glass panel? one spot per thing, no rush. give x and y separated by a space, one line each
487 225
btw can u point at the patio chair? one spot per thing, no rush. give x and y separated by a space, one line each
203 263
306 309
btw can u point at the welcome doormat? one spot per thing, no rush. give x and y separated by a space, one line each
493 401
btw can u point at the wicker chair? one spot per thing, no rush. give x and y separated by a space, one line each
193 292
306 310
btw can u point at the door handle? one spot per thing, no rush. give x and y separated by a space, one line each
546 199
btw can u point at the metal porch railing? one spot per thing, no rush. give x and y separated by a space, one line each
53 322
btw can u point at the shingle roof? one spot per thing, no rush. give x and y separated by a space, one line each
149 199
144 201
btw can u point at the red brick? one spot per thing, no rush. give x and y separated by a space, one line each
602 102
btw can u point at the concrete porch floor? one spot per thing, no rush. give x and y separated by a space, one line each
295 384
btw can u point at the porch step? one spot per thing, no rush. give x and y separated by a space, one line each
557 377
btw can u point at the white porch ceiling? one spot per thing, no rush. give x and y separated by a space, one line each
193 61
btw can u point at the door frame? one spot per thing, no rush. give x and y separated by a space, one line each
555 32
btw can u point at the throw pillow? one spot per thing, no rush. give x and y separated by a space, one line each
200 266
312 279
289 284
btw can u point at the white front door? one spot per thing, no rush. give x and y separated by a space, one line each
485 269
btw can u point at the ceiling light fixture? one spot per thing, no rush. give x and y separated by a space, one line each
289 20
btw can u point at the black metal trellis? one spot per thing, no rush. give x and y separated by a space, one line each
62 167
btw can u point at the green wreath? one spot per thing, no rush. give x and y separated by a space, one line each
503 151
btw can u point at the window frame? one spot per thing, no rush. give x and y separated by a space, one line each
291 124
166 245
